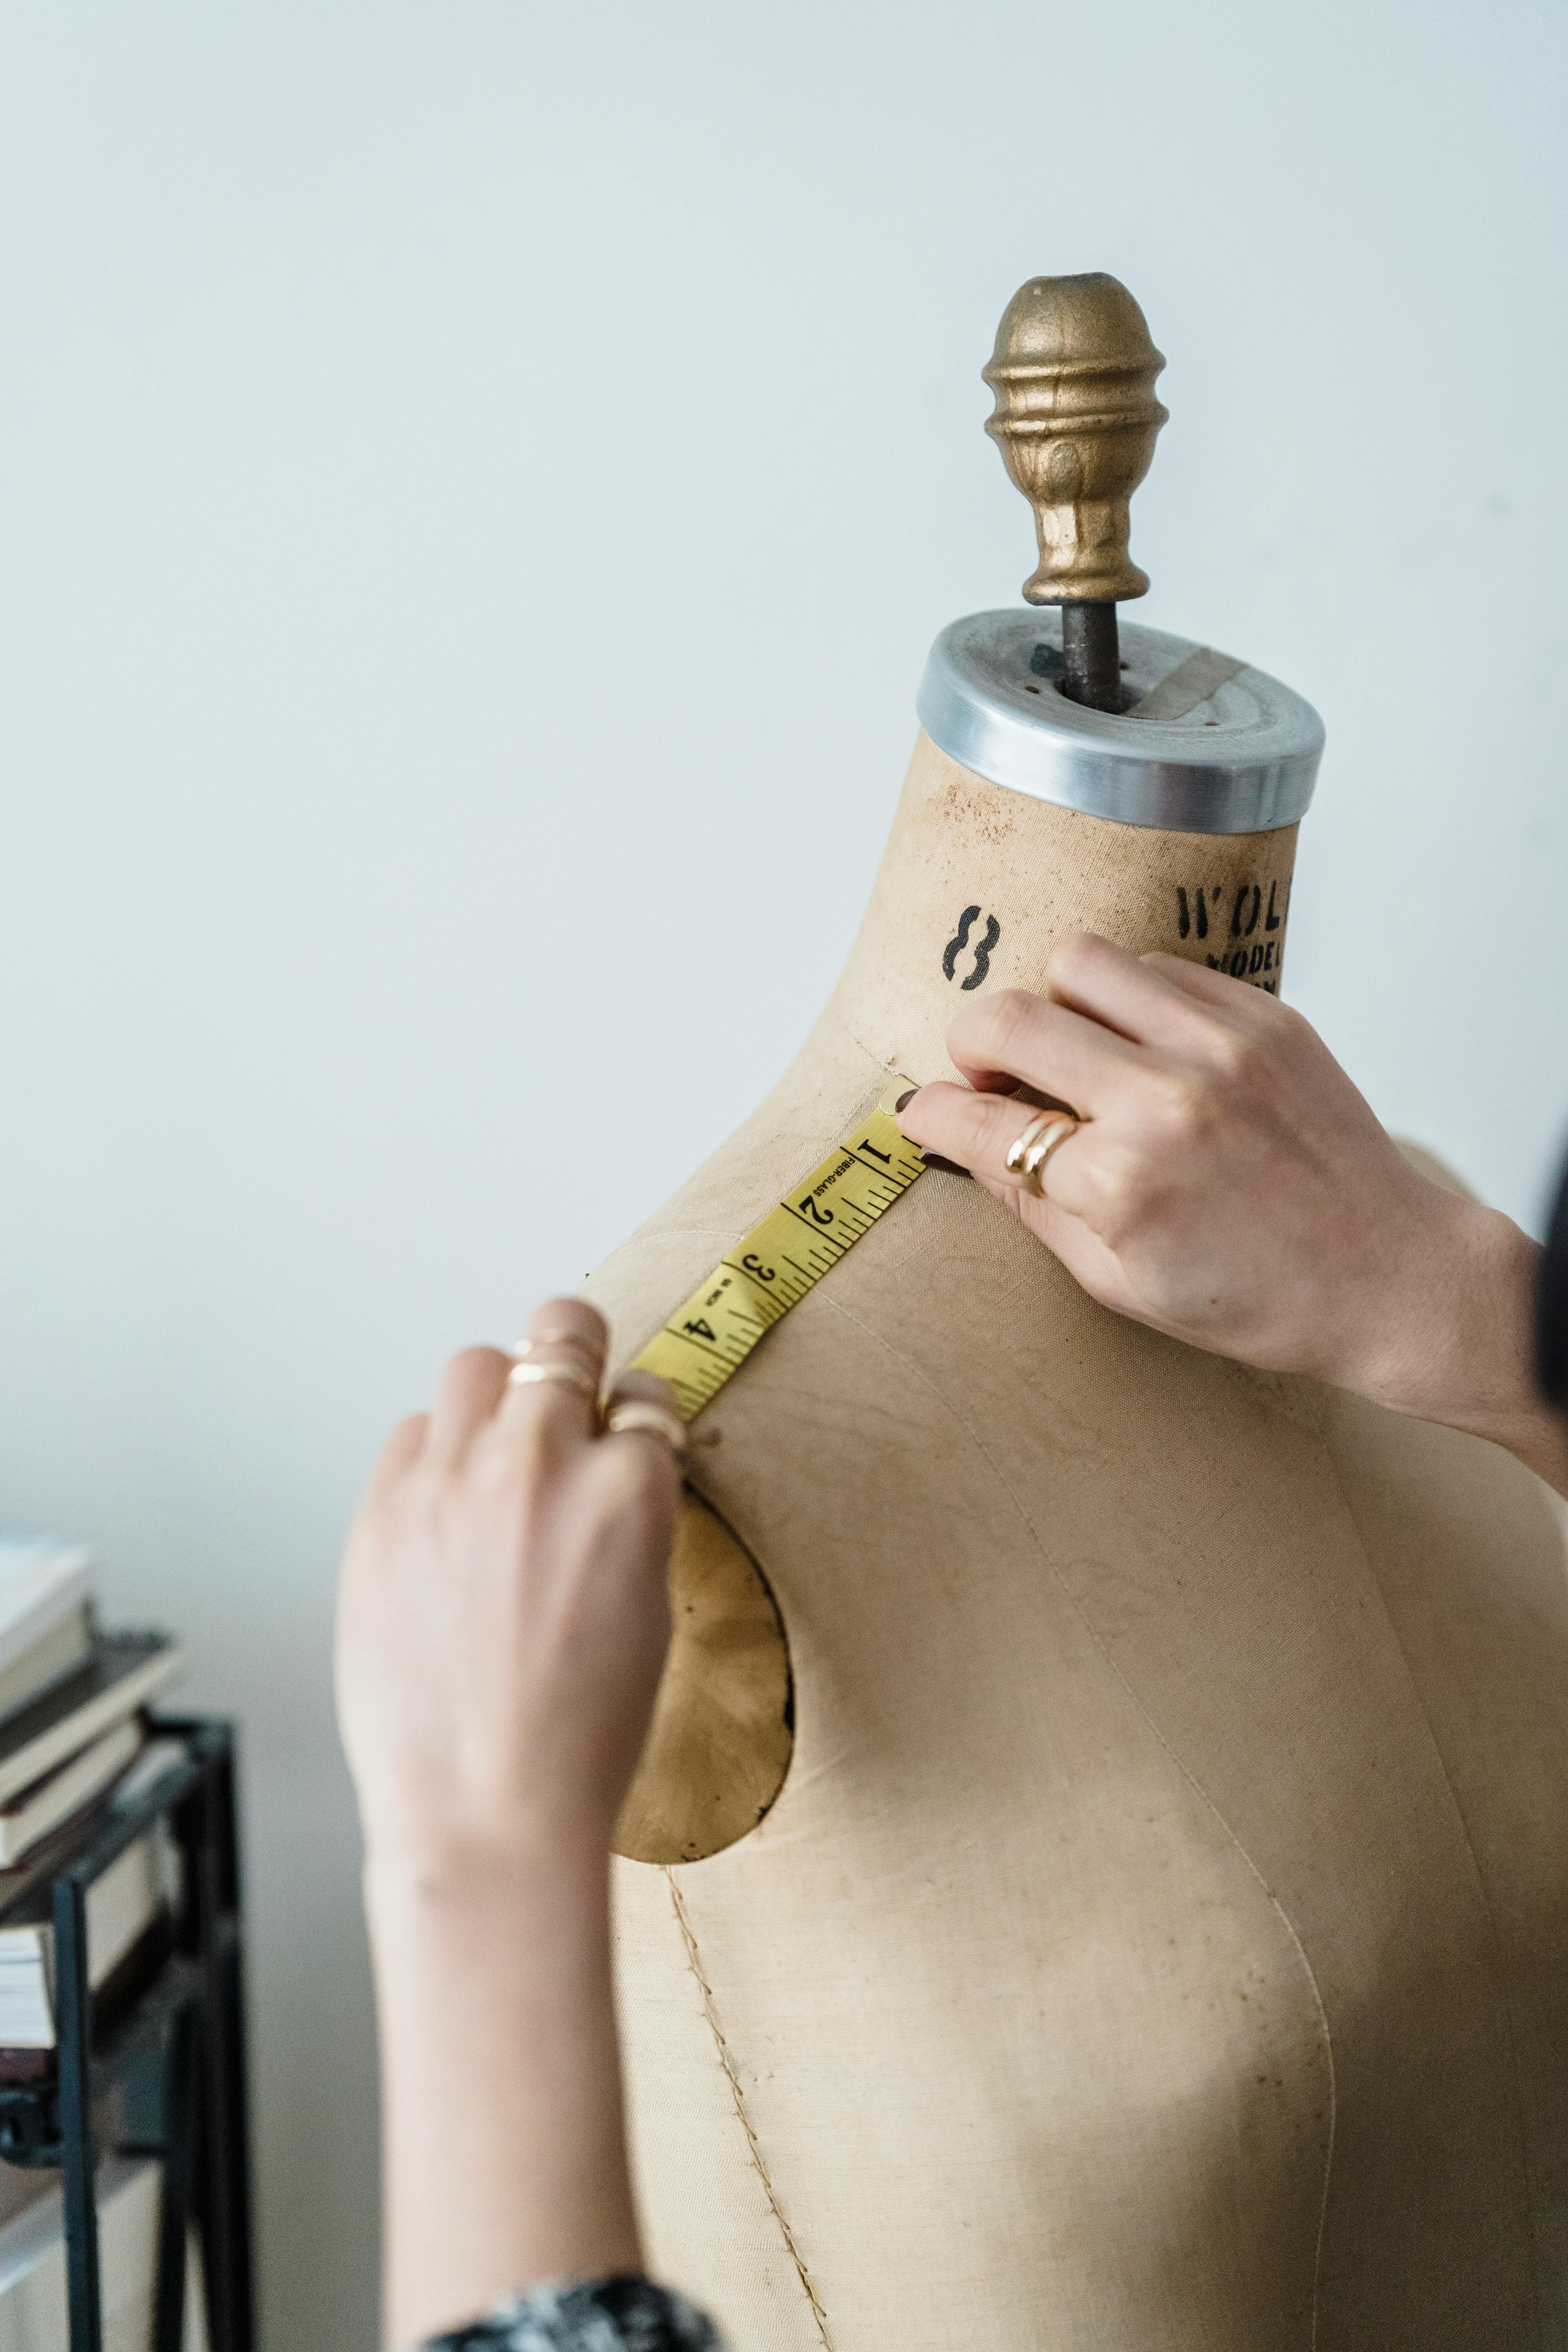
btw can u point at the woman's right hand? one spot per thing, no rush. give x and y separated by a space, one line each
503 1619
501 1626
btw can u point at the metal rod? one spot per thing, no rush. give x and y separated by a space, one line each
174 2211
73 2037
1093 653
226 2166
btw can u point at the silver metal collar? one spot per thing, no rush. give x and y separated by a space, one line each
1208 745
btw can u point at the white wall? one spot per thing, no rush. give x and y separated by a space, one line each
476 487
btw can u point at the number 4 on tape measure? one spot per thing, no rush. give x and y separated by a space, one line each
710 1333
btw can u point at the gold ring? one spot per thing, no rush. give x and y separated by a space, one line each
561 1375
1028 1152
653 1420
592 1348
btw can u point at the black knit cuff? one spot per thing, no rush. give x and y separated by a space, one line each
611 2314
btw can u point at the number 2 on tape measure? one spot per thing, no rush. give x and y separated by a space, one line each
710 1333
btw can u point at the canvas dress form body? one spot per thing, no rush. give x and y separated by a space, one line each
1161 1936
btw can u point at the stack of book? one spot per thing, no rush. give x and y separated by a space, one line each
33 2265
74 1745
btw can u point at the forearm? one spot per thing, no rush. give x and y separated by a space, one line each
505 2156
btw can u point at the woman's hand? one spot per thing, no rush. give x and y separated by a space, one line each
502 1625
502 1617
1229 1186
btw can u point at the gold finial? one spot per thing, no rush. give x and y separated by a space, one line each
1076 417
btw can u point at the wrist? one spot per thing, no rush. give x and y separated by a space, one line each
468 1885
1410 1348
1449 1332
454 1852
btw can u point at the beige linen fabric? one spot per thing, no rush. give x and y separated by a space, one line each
1162 1937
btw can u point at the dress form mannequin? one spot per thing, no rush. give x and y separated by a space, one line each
1160 1937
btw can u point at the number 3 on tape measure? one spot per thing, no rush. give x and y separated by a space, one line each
710 1333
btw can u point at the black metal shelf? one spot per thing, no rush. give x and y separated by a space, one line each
167 2077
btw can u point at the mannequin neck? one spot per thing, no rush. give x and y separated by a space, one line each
978 884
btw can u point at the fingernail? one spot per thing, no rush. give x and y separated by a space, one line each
948 1167
904 1099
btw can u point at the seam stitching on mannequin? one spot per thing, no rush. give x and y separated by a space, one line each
711 2012
1530 2183
1156 1733
856 1039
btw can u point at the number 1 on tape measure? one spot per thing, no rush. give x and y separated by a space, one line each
710 1333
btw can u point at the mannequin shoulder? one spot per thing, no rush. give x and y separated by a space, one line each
792 1130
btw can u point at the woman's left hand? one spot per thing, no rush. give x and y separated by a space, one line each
1229 1185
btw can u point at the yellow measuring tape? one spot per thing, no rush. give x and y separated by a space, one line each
711 1333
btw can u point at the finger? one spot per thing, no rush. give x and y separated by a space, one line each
647 1386
1204 986
552 1387
642 1409
1059 1051
569 1315
1132 995
979 1131
471 1386
401 1450
566 1326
